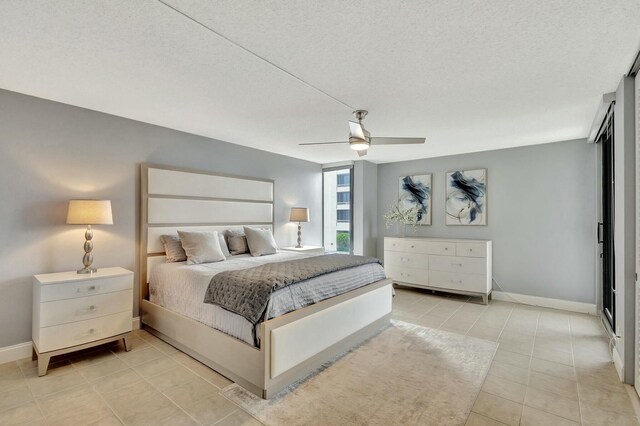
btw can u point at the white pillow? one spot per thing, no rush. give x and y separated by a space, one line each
260 241
201 247
223 244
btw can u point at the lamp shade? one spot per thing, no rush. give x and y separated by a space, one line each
89 212
299 214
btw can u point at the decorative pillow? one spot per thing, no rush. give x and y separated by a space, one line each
237 242
201 247
173 248
223 244
260 241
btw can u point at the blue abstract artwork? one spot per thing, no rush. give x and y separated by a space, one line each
466 197
415 191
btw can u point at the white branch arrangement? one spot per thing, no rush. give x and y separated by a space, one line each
397 214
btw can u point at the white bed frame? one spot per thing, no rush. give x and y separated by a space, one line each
292 345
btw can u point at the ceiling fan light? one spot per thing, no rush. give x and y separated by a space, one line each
358 144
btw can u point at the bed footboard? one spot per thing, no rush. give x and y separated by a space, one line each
292 346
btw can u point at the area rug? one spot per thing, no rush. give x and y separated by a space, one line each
405 375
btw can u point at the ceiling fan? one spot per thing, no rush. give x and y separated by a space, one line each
360 139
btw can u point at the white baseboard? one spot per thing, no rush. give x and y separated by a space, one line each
565 305
15 352
617 362
23 350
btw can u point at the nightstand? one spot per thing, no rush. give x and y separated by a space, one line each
74 311
306 249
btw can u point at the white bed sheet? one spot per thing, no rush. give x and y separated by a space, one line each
181 288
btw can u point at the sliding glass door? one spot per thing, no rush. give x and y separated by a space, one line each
605 228
337 200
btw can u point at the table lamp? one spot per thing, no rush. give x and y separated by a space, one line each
89 212
299 214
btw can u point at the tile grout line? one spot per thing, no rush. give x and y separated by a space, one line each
485 377
199 376
526 389
35 400
575 371
144 379
108 405
478 319
91 386
555 394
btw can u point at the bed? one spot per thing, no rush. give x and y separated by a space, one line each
304 325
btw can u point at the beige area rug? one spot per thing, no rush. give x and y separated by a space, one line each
406 375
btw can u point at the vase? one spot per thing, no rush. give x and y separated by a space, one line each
402 229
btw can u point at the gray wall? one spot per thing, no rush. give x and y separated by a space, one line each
365 208
51 152
541 214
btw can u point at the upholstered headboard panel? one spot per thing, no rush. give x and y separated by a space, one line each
175 199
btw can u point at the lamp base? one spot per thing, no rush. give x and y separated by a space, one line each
299 236
87 270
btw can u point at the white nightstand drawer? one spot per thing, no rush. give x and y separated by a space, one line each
83 308
77 333
471 250
458 281
467 265
70 290
410 260
407 275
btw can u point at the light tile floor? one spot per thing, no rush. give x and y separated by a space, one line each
551 368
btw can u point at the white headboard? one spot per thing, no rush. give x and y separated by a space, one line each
175 199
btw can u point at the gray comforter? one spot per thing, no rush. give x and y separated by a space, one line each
246 292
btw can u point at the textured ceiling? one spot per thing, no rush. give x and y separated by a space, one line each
468 75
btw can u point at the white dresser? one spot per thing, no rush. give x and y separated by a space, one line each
452 265
74 311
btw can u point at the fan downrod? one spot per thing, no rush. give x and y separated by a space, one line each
360 114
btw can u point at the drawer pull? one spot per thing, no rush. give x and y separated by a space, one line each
413 246
456 264
87 310
88 289
454 281
446 248
92 330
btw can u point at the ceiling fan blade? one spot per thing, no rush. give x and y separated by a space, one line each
396 141
321 143
362 153
355 130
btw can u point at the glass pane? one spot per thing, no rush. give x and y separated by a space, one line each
337 210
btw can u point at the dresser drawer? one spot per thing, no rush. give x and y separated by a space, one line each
71 290
408 275
395 244
82 308
436 247
458 281
77 333
418 246
471 249
467 265
409 260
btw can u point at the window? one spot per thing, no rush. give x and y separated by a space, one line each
344 179
343 215
337 204
343 241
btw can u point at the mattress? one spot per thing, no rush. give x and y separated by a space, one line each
181 288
